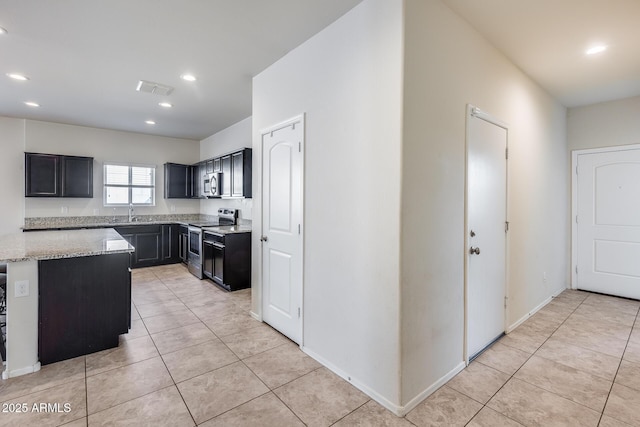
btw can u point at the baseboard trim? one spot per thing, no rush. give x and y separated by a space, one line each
398 410
354 381
404 410
534 311
22 371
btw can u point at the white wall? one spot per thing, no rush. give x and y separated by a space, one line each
231 139
347 80
447 65
107 145
11 175
604 125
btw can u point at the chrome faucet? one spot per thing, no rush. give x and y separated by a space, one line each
131 215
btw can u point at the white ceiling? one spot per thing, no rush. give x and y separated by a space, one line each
84 58
547 40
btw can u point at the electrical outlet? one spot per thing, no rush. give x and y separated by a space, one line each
544 277
173 208
96 212
64 209
21 288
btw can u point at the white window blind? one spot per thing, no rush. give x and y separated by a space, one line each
129 184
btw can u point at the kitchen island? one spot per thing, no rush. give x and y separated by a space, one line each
68 293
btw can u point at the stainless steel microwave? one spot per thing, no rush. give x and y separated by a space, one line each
212 184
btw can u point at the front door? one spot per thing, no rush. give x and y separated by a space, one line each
608 222
486 230
282 174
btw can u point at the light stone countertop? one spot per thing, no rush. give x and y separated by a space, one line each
57 244
75 222
98 225
229 229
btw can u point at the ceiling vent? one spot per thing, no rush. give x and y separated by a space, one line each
156 88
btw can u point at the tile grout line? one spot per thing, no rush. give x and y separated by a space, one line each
512 376
130 364
220 367
170 376
346 415
285 403
617 371
612 382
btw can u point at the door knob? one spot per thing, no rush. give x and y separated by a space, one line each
263 238
473 250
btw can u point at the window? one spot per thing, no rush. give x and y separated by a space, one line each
126 184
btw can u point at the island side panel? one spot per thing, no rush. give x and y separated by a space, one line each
85 304
22 320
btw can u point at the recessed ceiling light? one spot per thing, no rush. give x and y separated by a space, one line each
596 49
3 30
17 76
32 104
188 77
165 105
150 122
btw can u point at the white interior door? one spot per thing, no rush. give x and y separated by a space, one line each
608 222
282 175
486 230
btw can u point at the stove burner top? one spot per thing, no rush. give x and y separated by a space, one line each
204 224
225 217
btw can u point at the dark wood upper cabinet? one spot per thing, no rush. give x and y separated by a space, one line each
52 175
177 181
225 162
77 176
236 173
197 175
42 175
185 181
241 173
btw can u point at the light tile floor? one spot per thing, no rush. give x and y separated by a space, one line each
194 356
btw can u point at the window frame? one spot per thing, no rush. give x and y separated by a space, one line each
130 186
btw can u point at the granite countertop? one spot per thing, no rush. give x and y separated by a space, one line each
96 225
229 229
70 223
61 244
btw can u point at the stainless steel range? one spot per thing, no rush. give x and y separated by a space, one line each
225 217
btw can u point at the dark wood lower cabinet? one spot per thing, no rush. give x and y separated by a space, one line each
227 259
207 259
183 244
170 242
148 248
84 305
155 244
